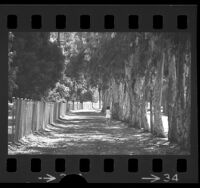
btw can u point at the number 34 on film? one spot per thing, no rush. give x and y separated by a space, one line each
164 178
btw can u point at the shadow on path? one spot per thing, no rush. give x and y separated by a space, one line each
86 133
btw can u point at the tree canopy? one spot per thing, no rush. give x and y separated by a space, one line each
38 63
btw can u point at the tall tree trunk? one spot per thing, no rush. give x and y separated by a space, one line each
129 90
171 99
158 129
151 110
179 130
143 105
106 98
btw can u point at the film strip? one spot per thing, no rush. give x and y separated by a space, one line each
53 167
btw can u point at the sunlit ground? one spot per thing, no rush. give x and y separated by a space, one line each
86 133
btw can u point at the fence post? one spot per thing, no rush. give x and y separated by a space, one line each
62 104
28 125
64 109
13 118
54 110
27 116
59 109
69 106
24 111
41 114
52 113
22 115
50 116
48 113
53 106
33 117
57 112
37 115
59 105
18 108
44 115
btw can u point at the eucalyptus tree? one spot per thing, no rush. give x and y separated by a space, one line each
39 64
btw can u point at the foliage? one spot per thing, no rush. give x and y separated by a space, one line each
91 60
59 93
12 69
39 62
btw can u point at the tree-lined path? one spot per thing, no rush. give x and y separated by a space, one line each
85 132
142 77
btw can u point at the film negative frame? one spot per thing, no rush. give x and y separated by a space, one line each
98 168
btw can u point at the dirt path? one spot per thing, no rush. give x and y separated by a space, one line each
86 133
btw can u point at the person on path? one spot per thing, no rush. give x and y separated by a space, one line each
108 116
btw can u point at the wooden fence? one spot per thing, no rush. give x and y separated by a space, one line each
28 116
85 105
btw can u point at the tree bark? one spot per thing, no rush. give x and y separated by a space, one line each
171 99
106 98
143 112
130 83
179 120
151 110
158 129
